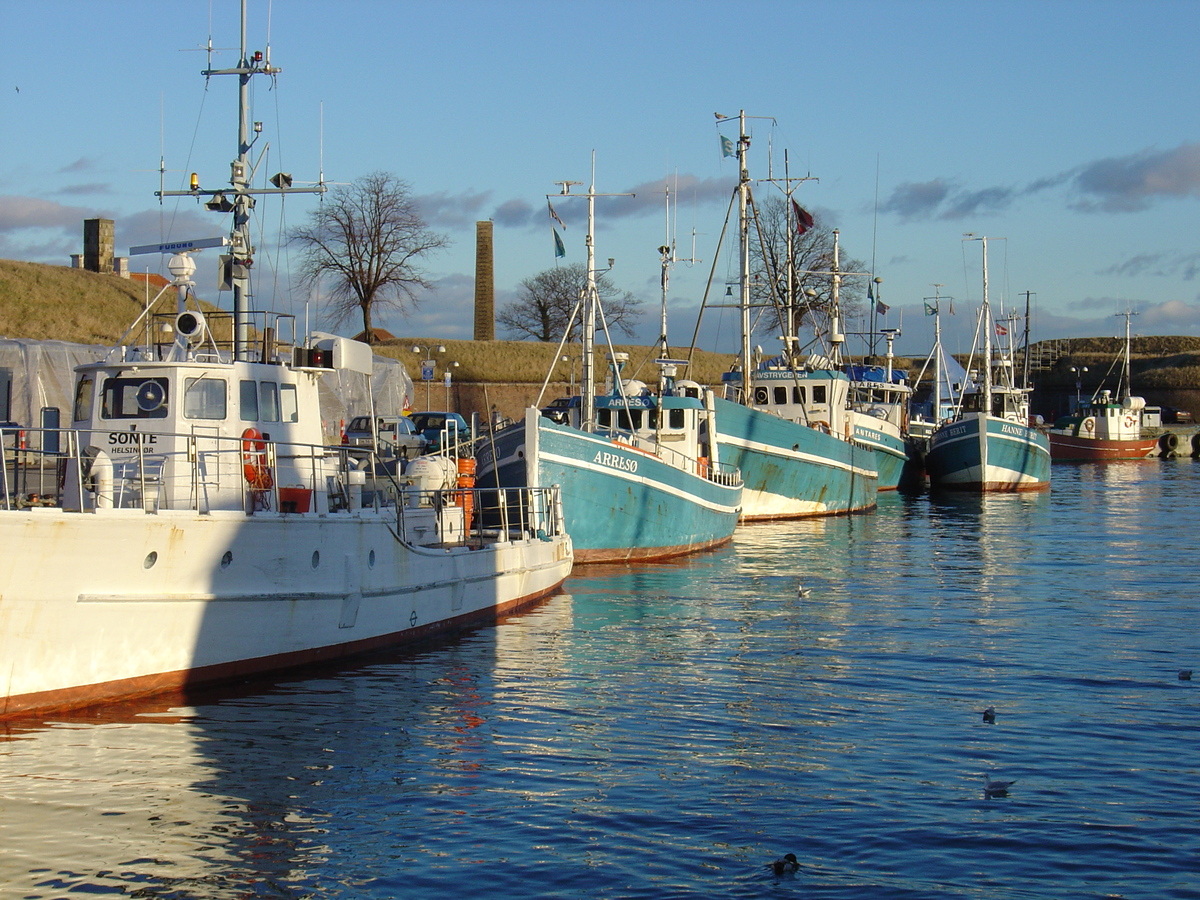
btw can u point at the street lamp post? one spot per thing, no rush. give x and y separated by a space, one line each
570 367
446 381
1078 384
428 366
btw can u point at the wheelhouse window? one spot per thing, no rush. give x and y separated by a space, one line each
248 401
798 395
204 398
675 418
629 419
820 394
134 398
268 401
83 398
289 406
781 393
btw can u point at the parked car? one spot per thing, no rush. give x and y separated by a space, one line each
395 436
1172 415
559 410
435 425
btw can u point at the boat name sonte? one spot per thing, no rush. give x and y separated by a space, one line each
131 437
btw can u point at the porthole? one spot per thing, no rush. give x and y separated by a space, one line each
371 559
150 560
226 559
316 559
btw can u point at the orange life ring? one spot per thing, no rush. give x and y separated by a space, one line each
1089 424
1130 421
254 461
820 425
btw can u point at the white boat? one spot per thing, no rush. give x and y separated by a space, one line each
197 529
1105 427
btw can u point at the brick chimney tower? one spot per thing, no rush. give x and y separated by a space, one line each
98 245
485 284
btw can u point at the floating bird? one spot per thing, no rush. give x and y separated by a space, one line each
1185 674
989 715
802 591
996 788
787 864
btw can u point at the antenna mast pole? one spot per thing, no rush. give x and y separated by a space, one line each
591 298
1025 381
241 248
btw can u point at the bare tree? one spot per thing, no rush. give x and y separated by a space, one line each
545 301
812 261
370 238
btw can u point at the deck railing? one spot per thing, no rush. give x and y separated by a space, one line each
204 473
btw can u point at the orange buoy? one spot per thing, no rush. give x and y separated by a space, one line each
466 494
254 460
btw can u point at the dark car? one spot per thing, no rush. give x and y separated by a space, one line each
1172 415
438 425
558 410
395 436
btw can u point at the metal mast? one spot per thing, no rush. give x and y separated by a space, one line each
590 299
791 230
937 350
1025 377
987 337
241 249
667 253
743 147
1127 375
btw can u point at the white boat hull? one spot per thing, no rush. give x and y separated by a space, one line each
119 603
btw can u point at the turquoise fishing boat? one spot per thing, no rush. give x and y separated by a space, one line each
786 422
989 444
631 489
639 470
879 400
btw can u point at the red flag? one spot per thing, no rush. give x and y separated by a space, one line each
804 221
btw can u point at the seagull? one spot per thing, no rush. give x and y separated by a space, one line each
996 788
802 591
989 715
787 864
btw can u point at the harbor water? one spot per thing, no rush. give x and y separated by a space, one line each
668 730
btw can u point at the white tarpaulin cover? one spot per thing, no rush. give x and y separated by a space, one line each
42 374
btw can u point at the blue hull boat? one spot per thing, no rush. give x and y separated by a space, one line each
990 444
621 499
792 470
985 453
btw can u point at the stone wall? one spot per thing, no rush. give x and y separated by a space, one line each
510 400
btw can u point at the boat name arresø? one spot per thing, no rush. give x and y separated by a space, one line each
615 461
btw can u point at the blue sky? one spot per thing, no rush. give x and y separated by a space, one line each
1069 129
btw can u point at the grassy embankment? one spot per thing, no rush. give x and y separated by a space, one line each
59 303
1157 363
